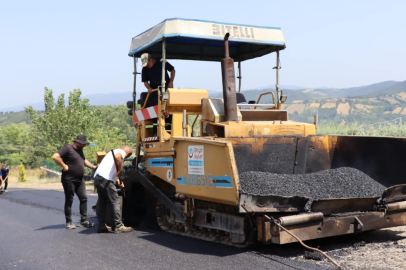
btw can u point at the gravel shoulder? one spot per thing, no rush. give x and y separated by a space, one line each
377 250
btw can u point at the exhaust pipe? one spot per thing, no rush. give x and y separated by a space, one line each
229 92
396 206
302 218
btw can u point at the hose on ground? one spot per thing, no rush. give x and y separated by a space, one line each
303 244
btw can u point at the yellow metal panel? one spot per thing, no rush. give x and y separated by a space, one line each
264 128
220 181
189 109
157 147
267 128
100 156
186 97
213 110
177 119
310 130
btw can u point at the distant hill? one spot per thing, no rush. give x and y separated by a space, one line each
385 104
319 93
14 118
392 89
114 98
282 86
368 89
117 98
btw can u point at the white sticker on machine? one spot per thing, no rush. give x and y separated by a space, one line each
169 175
195 159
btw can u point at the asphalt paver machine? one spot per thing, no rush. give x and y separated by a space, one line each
189 174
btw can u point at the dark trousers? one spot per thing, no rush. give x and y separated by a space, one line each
70 188
5 184
107 192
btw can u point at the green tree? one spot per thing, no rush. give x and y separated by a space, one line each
15 134
104 141
117 116
60 124
15 140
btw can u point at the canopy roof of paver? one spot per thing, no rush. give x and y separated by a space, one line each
204 40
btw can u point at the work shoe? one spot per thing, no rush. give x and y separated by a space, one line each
6 191
123 229
86 224
104 229
70 226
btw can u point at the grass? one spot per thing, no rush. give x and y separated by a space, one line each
36 182
357 129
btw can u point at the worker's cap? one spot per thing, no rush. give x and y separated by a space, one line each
81 139
144 59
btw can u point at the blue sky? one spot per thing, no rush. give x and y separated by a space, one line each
84 44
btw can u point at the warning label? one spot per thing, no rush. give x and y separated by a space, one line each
195 159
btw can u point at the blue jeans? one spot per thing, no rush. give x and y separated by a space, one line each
107 192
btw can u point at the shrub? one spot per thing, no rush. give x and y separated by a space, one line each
42 174
21 174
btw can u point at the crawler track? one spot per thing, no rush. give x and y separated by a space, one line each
202 233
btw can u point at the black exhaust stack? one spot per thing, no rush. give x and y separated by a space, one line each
229 92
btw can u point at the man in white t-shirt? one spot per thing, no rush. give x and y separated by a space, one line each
106 176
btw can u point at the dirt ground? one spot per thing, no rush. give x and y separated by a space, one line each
35 182
381 249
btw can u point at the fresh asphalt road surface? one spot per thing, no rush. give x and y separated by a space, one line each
33 236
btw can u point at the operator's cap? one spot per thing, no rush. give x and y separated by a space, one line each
144 59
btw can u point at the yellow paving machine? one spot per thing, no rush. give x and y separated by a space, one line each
188 171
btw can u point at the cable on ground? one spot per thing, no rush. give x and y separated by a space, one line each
303 244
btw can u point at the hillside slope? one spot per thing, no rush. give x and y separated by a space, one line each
390 90
14 118
365 90
319 93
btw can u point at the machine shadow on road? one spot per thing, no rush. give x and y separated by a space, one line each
201 247
190 245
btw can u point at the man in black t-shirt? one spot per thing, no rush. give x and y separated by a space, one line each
73 162
152 76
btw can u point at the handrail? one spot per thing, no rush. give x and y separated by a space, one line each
256 105
146 99
267 93
197 116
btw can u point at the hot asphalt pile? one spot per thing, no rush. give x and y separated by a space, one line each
336 183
